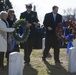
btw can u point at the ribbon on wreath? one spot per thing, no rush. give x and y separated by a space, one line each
69 39
22 32
64 34
64 31
19 36
13 45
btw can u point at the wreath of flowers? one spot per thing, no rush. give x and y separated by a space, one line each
71 26
21 32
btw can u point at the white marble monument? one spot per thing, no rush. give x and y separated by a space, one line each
15 63
72 58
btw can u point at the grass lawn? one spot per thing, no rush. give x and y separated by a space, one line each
38 67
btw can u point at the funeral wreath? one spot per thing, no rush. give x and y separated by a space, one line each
66 30
22 30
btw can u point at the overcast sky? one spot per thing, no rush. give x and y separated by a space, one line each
42 6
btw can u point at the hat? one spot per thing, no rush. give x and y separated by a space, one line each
28 5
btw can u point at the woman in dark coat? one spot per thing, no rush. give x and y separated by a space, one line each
11 19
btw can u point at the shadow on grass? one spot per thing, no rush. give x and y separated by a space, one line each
4 71
29 70
57 69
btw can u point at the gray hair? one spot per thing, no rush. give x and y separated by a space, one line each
2 13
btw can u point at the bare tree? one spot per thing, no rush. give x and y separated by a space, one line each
74 12
70 14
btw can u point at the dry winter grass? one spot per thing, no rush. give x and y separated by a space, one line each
38 67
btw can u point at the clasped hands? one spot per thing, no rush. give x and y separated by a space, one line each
49 28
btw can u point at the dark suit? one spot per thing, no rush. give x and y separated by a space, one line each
51 40
31 18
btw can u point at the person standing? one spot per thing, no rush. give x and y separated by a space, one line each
32 18
3 36
51 21
11 19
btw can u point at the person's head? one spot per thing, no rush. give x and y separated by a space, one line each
3 15
11 13
55 9
29 7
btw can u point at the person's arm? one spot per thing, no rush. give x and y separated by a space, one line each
21 16
36 18
46 22
5 29
60 18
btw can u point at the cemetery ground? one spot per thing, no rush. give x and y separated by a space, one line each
38 67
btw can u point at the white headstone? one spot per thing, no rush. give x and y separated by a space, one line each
72 58
43 44
74 42
15 63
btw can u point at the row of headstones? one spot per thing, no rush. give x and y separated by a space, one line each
16 60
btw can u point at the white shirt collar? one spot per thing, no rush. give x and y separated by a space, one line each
54 14
28 12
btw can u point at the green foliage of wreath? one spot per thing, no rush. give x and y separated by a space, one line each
16 25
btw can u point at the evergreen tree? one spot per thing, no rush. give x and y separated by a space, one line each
1 5
5 5
8 4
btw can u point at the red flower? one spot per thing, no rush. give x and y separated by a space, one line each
69 25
